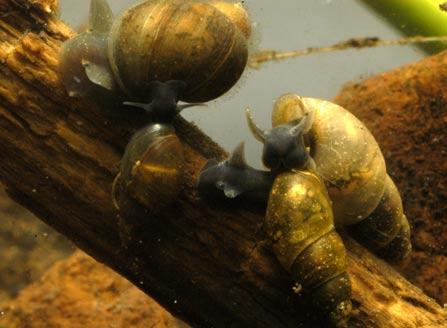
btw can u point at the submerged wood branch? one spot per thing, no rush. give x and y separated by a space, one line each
209 266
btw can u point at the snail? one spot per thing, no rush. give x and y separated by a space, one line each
325 170
350 162
201 43
152 56
151 169
299 218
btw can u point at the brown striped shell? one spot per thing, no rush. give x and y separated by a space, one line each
189 41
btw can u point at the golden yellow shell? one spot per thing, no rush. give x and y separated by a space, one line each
298 213
346 155
181 40
299 221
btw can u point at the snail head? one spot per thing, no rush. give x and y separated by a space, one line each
284 146
163 100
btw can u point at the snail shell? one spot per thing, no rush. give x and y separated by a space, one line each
345 153
159 40
352 166
151 168
300 222
236 13
386 231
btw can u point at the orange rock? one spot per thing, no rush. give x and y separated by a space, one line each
80 292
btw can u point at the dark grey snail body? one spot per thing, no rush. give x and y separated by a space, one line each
235 178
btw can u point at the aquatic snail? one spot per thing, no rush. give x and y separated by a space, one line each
201 43
315 144
299 218
151 167
152 56
351 164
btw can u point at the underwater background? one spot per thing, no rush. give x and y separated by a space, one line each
281 25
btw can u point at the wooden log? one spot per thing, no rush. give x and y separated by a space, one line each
210 266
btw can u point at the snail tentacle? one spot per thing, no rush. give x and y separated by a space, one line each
163 106
237 157
303 125
101 17
100 22
257 132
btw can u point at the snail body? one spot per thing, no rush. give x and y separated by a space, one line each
160 40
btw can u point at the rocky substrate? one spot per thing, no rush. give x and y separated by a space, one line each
28 247
406 110
80 292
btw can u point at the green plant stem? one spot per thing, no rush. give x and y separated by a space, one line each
414 17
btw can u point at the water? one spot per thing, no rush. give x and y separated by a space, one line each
282 26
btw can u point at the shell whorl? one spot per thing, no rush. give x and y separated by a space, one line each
151 167
189 41
345 153
299 221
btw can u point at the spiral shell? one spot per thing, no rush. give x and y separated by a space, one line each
300 222
386 231
201 44
151 168
180 40
346 155
352 166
